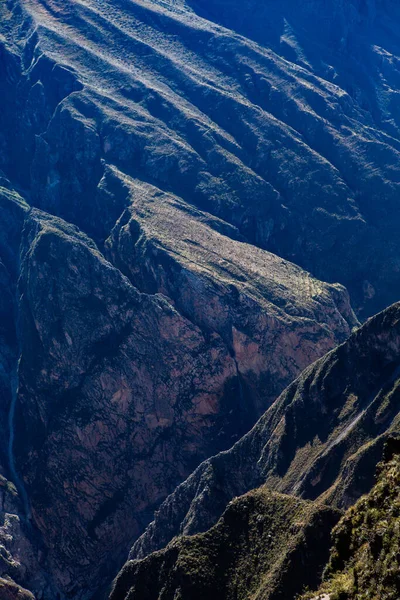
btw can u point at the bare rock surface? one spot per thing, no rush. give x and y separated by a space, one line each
116 388
119 397
274 318
9 590
20 549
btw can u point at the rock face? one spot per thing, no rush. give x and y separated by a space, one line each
114 395
11 591
13 210
320 440
20 548
272 316
266 545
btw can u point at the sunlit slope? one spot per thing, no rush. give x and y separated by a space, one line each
291 134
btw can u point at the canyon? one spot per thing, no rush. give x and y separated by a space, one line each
199 219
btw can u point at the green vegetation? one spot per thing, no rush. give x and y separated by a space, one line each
8 485
266 545
365 559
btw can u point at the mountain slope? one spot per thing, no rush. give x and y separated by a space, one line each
168 169
321 439
364 561
274 318
290 136
266 545
113 396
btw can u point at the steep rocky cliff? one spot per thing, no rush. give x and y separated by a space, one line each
13 210
321 439
162 163
19 548
273 317
114 395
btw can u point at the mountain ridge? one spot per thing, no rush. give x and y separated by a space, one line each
177 186
219 146
312 442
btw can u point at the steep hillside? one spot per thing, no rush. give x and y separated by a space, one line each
266 545
365 560
320 440
113 396
273 317
279 120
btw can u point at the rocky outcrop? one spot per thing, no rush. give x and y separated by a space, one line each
274 318
11 591
266 545
106 377
119 397
113 396
320 440
20 549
